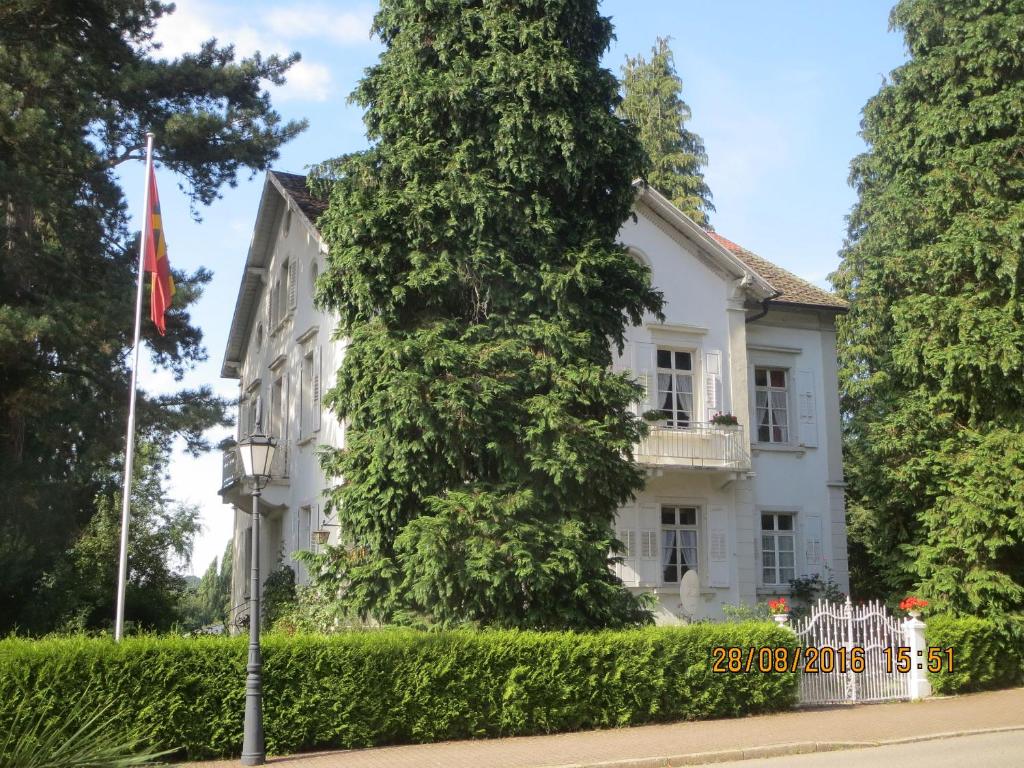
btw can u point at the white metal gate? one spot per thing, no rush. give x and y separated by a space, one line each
836 636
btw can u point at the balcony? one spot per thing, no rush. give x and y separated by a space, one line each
232 479
698 446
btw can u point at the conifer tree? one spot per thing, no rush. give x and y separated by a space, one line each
933 347
80 84
474 267
652 99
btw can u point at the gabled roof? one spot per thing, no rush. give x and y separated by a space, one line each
295 185
792 290
763 279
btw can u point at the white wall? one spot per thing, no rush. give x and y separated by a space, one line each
703 315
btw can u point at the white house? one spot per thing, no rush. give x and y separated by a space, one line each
747 508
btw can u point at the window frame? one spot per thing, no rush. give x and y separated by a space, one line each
677 528
675 422
768 389
775 534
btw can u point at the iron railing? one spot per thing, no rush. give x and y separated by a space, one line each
698 445
231 466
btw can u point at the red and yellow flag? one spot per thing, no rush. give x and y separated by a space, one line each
162 286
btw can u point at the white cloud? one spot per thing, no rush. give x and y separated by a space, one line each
306 82
193 23
304 21
185 29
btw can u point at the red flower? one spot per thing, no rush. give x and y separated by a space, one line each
778 605
912 603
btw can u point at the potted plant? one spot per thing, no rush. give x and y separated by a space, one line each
725 420
779 610
913 605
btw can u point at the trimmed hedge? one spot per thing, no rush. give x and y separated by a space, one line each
986 654
394 686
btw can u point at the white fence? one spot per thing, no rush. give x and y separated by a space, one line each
851 653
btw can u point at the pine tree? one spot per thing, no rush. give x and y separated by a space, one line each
474 267
652 99
80 84
933 348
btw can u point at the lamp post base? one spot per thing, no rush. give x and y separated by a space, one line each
253 745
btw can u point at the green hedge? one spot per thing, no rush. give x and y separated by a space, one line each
388 687
986 654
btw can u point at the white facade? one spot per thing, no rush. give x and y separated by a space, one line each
747 510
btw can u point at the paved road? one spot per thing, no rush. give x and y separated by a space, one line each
989 750
657 744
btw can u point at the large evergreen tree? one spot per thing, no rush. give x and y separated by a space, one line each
933 347
652 99
80 84
474 268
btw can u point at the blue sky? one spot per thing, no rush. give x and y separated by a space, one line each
776 91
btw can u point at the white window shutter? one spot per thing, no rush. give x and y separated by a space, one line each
624 362
649 568
718 548
806 408
712 383
285 407
626 570
645 355
812 543
293 283
315 390
649 545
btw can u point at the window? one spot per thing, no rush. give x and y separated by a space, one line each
274 315
282 292
772 400
287 222
778 548
314 273
259 335
675 387
678 542
278 409
306 397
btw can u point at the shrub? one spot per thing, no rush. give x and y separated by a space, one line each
82 734
363 689
986 653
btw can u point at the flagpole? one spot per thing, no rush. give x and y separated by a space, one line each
122 572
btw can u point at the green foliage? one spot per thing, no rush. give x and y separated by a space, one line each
209 601
396 686
79 88
81 734
474 270
807 590
652 100
278 594
79 593
932 351
986 654
740 612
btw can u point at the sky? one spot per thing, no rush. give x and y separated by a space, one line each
776 90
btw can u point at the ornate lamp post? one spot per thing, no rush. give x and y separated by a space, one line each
257 452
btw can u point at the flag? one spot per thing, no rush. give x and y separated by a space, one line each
162 285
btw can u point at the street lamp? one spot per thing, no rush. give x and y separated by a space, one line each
257 452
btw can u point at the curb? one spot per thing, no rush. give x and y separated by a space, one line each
779 750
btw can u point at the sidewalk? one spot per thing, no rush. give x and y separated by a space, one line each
694 742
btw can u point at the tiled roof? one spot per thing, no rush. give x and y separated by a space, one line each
295 185
794 290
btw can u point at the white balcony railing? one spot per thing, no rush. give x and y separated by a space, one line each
699 445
